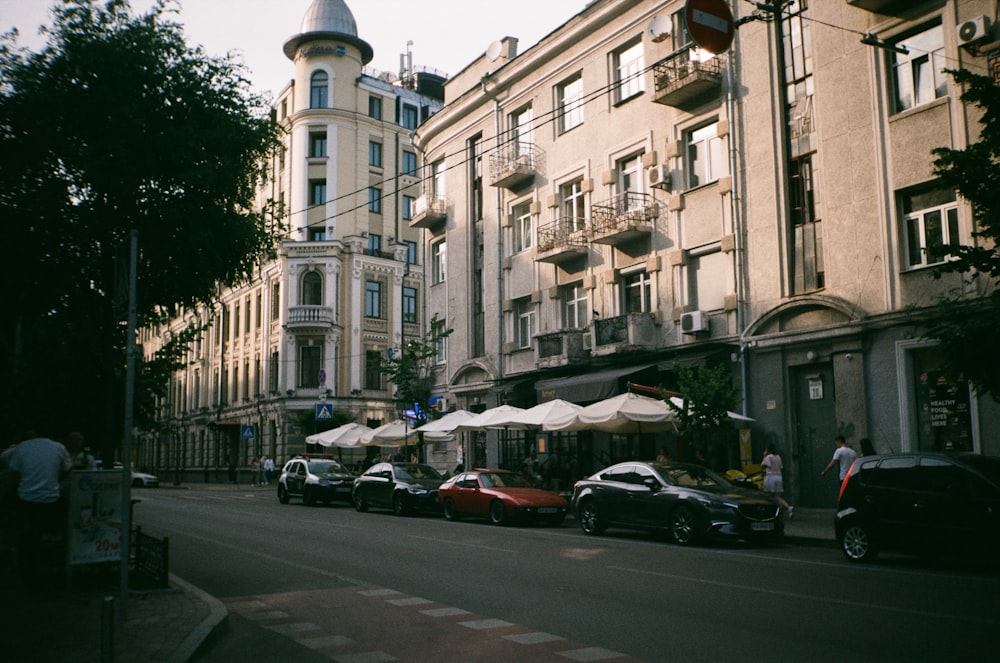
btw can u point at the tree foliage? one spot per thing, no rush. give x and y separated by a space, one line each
967 328
411 369
708 394
114 125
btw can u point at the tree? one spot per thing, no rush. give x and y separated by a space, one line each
708 395
412 368
967 328
117 124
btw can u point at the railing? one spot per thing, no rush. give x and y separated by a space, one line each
625 209
681 78
514 163
569 231
307 314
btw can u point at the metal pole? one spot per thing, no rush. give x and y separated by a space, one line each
126 506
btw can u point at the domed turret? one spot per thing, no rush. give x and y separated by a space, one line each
329 20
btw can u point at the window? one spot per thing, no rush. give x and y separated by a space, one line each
272 378
245 391
411 252
522 227
236 320
439 262
258 310
409 203
275 301
374 244
374 154
318 89
636 293
918 76
569 101
246 315
316 234
317 143
942 403
573 204
409 163
437 180
312 289
524 322
521 129
930 223
575 307
317 192
375 107
438 333
706 156
310 361
408 116
628 68
409 304
373 299
807 231
374 200
708 280
631 177
373 370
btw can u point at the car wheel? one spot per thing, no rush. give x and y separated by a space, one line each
398 505
308 498
450 512
684 525
856 543
282 494
498 514
360 503
590 519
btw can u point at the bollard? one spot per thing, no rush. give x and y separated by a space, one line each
108 629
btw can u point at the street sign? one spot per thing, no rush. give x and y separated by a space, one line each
710 24
322 377
247 431
324 411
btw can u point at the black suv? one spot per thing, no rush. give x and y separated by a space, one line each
924 503
315 479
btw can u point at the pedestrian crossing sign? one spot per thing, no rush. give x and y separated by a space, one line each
324 411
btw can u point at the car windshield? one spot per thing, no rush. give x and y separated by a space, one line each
413 472
503 480
989 466
690 476
325 467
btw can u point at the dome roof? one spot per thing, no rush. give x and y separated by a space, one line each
328 19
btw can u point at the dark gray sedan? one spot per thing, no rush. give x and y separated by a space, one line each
689 502
402 487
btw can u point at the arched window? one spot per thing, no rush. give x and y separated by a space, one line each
312 289
318 89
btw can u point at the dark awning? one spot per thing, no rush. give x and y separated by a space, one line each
594 386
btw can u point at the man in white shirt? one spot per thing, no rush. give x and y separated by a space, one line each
844 456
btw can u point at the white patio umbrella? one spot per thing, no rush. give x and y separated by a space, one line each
393 434
537 416
497 417
732 416
625 413
348 435
447 423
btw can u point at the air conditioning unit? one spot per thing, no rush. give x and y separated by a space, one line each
973 31
694 322
659 177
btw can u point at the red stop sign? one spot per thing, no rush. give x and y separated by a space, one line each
710 24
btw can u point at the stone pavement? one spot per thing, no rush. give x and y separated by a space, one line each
172 624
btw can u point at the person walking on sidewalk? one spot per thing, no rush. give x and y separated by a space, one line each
773 483
844 456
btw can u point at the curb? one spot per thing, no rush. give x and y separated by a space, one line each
217 619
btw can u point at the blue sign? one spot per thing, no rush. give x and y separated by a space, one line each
247 432
324 411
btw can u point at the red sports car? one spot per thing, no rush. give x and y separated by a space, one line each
500 495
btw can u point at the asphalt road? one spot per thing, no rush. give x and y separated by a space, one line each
624 594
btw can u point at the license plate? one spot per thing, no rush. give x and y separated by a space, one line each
343 489
762 527
547 509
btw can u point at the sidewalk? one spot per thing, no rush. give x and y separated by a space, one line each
172 624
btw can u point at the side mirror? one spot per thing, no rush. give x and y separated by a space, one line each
651 483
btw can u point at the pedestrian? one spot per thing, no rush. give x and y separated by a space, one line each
39 465
255 471
663 456
268 469
773 482
844 456
79 456
550 472
867 449
529 468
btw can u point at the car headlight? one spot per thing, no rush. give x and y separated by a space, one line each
417 490
710 503
324 482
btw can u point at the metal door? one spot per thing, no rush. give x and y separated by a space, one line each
815 426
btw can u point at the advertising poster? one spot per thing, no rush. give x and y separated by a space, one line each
95 519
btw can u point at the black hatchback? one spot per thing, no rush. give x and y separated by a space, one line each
689 502
923 503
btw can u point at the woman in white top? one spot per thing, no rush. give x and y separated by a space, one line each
772 477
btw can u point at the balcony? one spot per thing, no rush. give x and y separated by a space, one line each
888 7
561 348
624 333
685 80
625 217
309 318
429 213
562 240
514 165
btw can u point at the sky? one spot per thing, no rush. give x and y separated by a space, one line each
446 34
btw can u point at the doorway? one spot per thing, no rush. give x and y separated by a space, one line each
815 427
